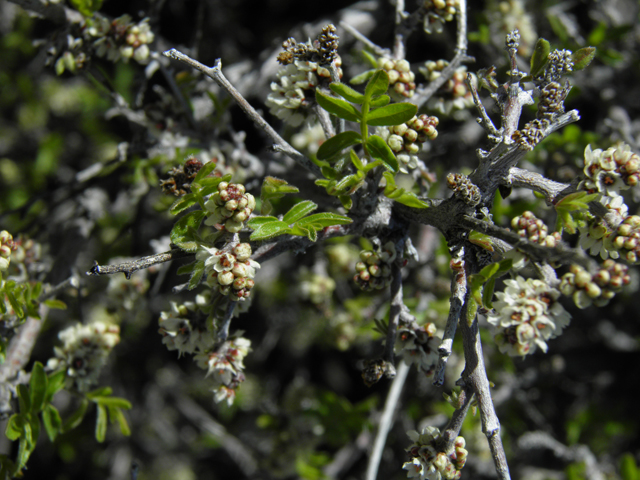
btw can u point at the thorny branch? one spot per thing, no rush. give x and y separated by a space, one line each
216 74
145 262
458 294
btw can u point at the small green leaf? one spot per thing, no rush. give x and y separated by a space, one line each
115 402
272 189
182 203
115 414
338 107
346 201
298 211
15 426
182 233
87 7
205 171
312 235
325 219
347 93
540 57
361 78
393 114
196 275
76 417
270 230
24 399
400 195
99 392
258 222
628 467
379 150
583 57
37 387
380 101
186 269
482 240
370 59
52 421
15 304
55 304
101 424
337 143
55 383
487 292
378 84
355 159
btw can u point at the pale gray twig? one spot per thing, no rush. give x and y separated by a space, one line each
382 52
216 74
145 262
386 420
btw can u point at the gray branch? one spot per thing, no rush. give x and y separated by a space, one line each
216 74
145 262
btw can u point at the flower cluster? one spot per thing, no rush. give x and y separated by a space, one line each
597 236
230 273
184 327
454 95
407 138
560 63
225 366
531 134
610 171
374 269
598 289
401 78
229 207
551 103
180 178
532 228
627 239
464 189
315 288
84 352
419 346
116 39
428 463
6 246
437 13
526 315
303 70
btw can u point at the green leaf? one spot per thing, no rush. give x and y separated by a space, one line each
583 57
393 114
186 269
338 107
370 59
115 414
15 304
196 276
115 402
258 222
270 230
15 426
487 292
99 392
325 219
337 143
628 467
87 7
272 189
37 387
101 424
540 57
400 195
205 171
55 304
24 399
346 201
52 421
378 84
482 240
379 150
347 93
183 232
76 417
298 211
182 203
355 159
363 77
55 383
380 101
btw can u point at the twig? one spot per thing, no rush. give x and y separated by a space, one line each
21 346
382 52
425 93
223 330
216 74
519 177
386 421
458 294
72 281
452 430
475 378
398 47
484 119
145 262
394 315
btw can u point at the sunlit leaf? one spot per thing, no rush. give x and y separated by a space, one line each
298 211
338 107
347 93
540 57
379 150
337 143
393 114
378 84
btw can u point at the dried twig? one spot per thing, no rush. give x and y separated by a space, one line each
145 262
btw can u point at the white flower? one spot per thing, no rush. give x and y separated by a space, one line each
84 352
596 236
526 315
